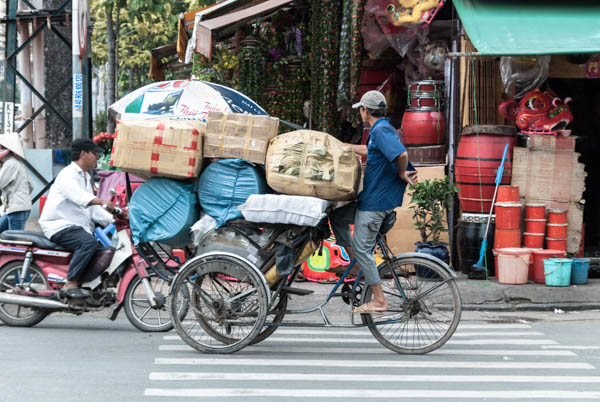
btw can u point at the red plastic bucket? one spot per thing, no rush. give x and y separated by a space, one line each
42 203
556 244
478 157
508 215
423 128
535 211
507 238
557 216
507 194
538 262
535 225
533 240
530 274
513 265
557 230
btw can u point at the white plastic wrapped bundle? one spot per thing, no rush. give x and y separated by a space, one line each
285 209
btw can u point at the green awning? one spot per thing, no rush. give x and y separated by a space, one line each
530 27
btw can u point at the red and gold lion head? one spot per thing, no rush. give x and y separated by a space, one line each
539 111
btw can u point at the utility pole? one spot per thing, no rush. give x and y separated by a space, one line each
80 41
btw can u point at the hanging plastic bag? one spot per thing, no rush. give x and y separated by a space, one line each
521 74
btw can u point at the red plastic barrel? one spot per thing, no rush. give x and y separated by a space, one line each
557 230
507 194
535 211
557 216
508 215
479 155
423 128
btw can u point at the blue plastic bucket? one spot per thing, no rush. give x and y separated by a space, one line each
557 271
579 271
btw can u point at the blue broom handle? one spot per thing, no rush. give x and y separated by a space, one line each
501 168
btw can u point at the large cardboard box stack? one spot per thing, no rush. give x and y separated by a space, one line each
549 172
161 148
236 135
404 235
312 163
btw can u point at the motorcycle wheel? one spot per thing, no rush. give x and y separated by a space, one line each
143 316
13 314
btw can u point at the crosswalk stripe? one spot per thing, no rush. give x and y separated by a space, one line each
338 334
184 376
367 393
370 363
576 347
492 341
475 352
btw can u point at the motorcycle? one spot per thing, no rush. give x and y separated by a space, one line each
33 270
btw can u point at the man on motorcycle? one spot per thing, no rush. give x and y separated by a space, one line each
71 208
384 182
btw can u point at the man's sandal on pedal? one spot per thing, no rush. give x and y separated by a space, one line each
365 309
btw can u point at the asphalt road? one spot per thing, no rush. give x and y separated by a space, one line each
492 356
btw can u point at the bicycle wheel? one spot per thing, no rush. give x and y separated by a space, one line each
139 311
429 316
275 316
228 300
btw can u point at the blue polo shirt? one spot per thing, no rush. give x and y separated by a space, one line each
383 189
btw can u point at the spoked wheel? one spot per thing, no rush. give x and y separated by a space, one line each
13 314
228 300
431 313
139 311
275 316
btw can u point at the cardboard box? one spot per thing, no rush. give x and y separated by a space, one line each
236 135
312 163
554 178
551 176
404 235
541 142
159 148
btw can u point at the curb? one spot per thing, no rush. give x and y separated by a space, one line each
508 307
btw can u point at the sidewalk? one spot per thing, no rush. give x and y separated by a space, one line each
493 296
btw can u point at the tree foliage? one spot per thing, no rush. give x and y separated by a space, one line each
140 26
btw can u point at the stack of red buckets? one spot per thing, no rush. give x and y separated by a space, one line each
508 230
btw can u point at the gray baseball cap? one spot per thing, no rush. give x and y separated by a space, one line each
371 100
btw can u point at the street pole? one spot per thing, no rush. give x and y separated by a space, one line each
80 39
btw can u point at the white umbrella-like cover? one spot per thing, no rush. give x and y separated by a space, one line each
182 99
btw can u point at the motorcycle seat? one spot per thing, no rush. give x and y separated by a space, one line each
38 239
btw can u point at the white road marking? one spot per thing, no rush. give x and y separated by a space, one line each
366 393
383 350
184 376
370 363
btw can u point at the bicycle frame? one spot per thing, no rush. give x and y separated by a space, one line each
319 307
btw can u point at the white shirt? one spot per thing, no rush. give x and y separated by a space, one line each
67 202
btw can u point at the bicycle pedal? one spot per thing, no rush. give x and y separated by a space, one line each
297 291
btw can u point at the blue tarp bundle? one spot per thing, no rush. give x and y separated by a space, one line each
163 210
227 183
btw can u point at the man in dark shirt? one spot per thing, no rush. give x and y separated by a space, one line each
384 183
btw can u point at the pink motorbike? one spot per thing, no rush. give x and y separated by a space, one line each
33 270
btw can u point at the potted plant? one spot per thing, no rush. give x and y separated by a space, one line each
429 203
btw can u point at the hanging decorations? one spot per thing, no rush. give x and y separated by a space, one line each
324 63
252 62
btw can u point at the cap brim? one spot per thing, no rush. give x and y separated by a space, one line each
98 150
357 105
